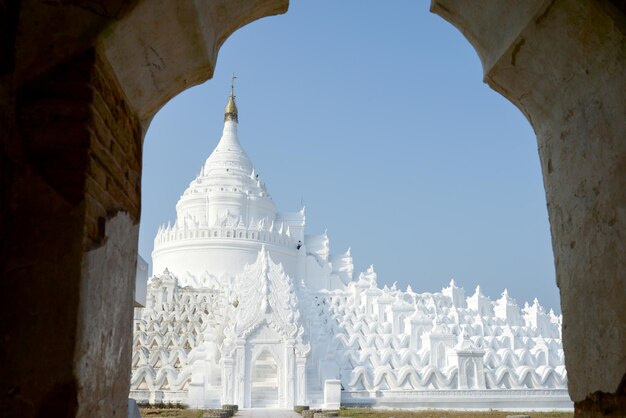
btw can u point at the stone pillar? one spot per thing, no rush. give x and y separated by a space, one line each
290 374
240 394
562 64
301 381
228 379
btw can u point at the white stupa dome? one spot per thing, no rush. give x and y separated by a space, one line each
226 201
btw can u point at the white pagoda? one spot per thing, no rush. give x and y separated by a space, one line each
245 308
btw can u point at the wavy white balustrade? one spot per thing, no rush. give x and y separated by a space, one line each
371 357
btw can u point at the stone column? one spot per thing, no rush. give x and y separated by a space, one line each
290 374
240 374
228 379
301 381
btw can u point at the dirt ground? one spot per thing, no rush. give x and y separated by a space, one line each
170 413
373 413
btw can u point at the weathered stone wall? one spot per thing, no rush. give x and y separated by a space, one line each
563 64
114 173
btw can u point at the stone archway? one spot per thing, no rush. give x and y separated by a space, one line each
80 82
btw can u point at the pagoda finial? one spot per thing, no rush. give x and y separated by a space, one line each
230 112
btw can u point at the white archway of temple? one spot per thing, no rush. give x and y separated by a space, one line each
264 382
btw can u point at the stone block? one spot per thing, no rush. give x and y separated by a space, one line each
332 393
230 407
300 408
326 414
217 413
310 413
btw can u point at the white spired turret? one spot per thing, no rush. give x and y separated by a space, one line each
224 217
228 184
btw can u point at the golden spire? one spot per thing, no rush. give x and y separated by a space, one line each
230 112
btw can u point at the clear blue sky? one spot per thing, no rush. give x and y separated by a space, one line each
378 119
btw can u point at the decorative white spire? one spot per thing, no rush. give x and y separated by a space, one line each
228 156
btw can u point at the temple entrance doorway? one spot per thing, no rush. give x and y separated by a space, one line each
264 382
